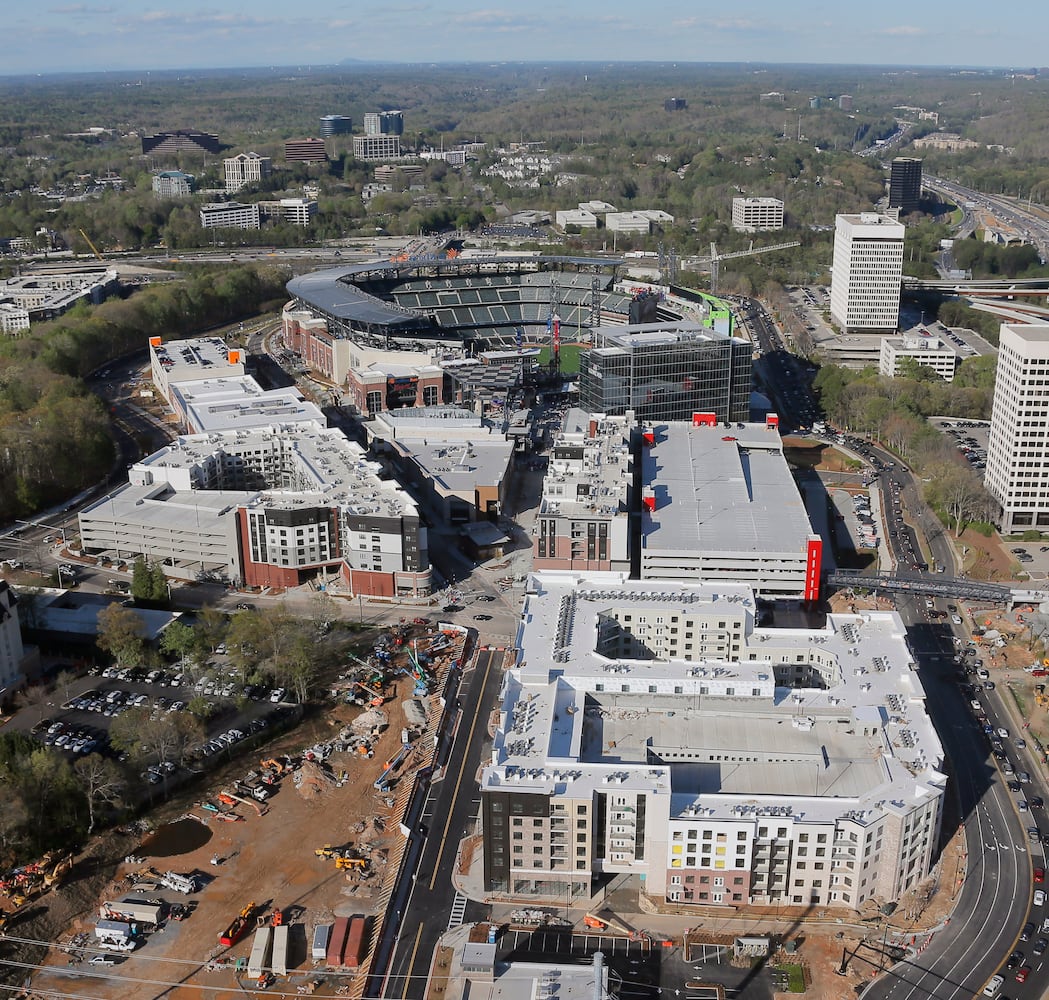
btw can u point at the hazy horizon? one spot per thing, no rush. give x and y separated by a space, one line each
120 36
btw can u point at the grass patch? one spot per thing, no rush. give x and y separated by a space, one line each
569 357
795 976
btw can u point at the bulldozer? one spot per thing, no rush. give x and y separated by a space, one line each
327 851
61 868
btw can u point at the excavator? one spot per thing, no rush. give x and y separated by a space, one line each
228 798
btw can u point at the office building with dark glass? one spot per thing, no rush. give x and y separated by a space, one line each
666 371
905 184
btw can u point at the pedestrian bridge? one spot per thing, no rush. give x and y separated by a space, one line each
936 585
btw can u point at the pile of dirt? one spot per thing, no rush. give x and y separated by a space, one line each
374 718
313 780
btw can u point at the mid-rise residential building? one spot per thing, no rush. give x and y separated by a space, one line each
180 141
336 125
948 142
12 653
905 183
654 733
384 123
666 371
375 148
585 512
845 102
191 361
306 151
928 351
266 506
867 274
230 215
246 168
172 184
752 215
1017 474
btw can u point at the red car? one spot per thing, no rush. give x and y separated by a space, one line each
1039 874
1022 973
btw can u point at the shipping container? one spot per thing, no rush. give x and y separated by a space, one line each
260 952
337 941
353 953
280 950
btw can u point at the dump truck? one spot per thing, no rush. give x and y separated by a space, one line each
237 928
260 951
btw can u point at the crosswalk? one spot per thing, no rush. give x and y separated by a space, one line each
455 918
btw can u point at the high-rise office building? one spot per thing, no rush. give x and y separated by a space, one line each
375 148
245 168
1017 473
384 123
306 151
666 371
179 141
336 125
905 183
868 272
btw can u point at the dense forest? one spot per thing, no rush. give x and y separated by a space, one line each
55 432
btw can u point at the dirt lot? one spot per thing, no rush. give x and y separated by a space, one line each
267 860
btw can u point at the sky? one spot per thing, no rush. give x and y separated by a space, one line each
137 35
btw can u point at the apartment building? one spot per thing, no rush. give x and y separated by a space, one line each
1017 473
752 215
266 506
867 273
652 731
585 511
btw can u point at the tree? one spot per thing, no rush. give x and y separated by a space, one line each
102 783
120 633
178 639
212 626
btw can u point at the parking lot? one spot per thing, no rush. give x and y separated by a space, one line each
81 724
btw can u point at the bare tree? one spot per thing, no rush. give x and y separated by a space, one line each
102 782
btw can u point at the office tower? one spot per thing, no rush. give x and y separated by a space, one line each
867 272
905 184
384 123
245 168
336 125
1017 473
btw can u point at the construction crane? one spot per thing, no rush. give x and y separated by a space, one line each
715 258
94 249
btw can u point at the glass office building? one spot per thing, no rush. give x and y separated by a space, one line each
666 372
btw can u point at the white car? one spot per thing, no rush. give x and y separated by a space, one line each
1039 897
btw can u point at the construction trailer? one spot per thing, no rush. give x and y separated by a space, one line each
141 911
115 935
260 952
185 884
279 964
337 941
319 950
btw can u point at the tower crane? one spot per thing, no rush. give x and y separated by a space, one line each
715 258
94 249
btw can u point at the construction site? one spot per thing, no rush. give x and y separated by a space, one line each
277 874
